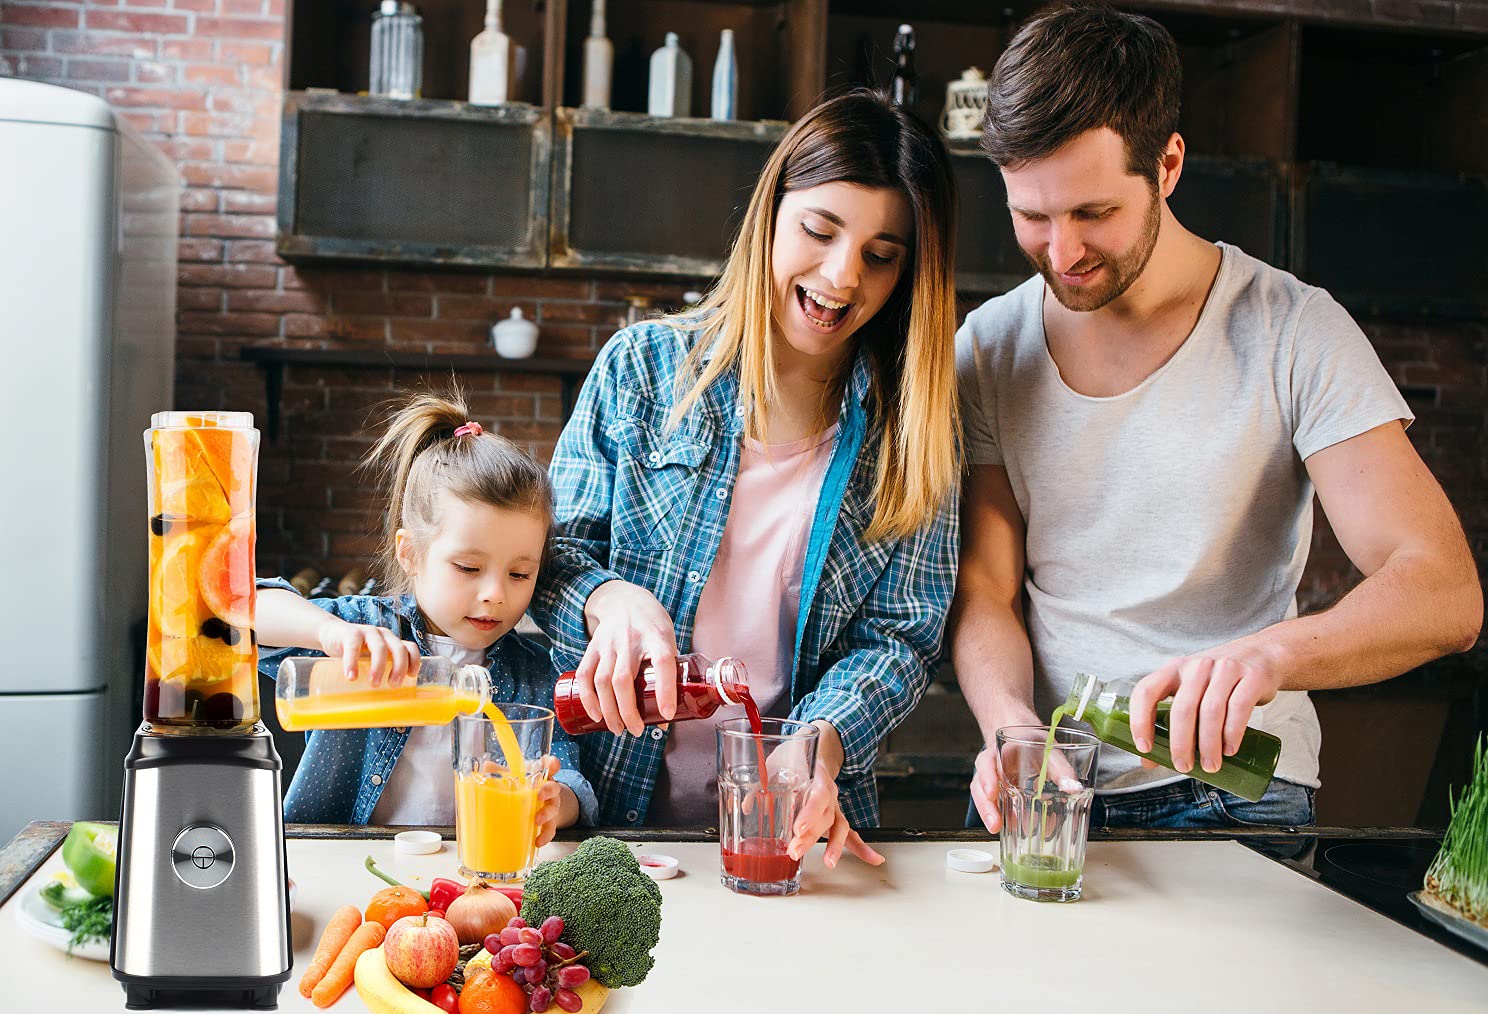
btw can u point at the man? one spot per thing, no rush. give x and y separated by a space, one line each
1147 419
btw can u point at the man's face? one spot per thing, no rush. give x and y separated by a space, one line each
1083 221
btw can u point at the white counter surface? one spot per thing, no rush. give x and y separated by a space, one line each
1163 926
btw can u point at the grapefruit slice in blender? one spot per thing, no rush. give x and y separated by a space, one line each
226 573
176 604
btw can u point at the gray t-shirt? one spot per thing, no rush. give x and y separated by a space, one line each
1176 516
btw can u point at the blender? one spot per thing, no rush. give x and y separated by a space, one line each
201 898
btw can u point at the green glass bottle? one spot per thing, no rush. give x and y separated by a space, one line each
1106 707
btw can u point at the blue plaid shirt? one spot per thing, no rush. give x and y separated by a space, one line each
343 771
639 503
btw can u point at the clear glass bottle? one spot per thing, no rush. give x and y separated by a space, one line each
703 686
396 67
1106 707
315 693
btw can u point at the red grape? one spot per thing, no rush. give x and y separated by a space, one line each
541 999
538 972
562 951
552 929
516 922
526 955
572 976
568 1000
529 935
492 942
511 935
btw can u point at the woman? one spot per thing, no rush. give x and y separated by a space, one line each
773 476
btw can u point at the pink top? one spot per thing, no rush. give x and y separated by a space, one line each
748 610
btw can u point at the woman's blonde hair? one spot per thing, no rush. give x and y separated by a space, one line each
864 139
419 456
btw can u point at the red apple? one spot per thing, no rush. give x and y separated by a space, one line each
421 952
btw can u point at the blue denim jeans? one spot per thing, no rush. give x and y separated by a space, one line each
1192 804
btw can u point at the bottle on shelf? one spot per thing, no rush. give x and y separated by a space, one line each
902 88
515 337
599 60
671 80
725 78
491 61
703 686
1105 705
396 64
305 580
351 582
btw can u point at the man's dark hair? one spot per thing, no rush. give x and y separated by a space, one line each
1079 68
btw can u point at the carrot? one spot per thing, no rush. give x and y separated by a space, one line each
337 932
338 977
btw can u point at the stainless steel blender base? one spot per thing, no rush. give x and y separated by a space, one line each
202 899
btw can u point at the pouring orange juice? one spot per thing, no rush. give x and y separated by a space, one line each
499 772
315 693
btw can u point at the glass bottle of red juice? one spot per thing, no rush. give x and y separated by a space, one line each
703 686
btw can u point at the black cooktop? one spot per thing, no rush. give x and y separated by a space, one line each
1377 872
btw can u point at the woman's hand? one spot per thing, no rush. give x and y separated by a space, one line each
557 806
390 658
821 813
627 625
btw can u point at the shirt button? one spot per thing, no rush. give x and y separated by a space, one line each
693 576
654 458
656 733
377 779
401 729
721 494
631 816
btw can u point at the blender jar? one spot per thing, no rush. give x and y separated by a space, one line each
202 655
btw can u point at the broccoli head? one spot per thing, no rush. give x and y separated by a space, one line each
609 908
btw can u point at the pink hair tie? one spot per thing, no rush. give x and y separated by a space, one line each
470 429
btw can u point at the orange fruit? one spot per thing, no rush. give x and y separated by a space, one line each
226 573
489 992
392 903
176 607
204 660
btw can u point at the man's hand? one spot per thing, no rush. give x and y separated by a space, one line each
1213 693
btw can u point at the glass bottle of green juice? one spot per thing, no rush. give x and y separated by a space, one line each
1106 706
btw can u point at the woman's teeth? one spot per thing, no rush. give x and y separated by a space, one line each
821 310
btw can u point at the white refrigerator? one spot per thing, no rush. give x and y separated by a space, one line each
89 216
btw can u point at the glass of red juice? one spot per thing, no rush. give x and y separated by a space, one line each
764 773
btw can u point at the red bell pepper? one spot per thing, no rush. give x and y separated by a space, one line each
443 891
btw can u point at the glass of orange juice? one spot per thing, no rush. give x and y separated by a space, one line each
498 759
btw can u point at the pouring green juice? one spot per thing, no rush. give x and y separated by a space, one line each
1106 707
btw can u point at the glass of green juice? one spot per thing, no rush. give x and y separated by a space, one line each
1047 783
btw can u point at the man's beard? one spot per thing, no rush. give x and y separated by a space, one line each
1123 270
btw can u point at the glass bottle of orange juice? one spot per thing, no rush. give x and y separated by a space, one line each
315 693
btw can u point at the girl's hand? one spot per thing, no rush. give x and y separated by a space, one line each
822 814
388 654
627 626
551 804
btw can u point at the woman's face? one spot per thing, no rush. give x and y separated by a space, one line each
839 251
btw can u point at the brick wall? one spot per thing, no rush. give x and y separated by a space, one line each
203 78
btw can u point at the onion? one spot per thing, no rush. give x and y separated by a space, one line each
479 912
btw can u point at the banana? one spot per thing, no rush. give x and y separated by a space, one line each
382 992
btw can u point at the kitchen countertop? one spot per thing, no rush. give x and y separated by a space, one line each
1169 921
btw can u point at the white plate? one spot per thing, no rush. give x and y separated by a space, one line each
44 923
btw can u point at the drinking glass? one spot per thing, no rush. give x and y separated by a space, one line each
498 760
763 779
1045 819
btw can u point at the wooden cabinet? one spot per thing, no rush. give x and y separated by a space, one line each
1315 144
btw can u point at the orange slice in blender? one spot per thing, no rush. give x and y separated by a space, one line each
226 574
200 660
228 456
189 488
176 605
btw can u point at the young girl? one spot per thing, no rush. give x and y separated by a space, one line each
467 527
774 477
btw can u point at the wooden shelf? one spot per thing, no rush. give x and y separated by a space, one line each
272 359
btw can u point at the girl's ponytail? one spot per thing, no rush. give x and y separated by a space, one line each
421 454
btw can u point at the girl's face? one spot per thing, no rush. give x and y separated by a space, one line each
839 250
475 578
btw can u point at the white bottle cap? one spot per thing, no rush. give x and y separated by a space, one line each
417 843
658 867
970 861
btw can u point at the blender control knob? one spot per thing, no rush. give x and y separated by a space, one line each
202 856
